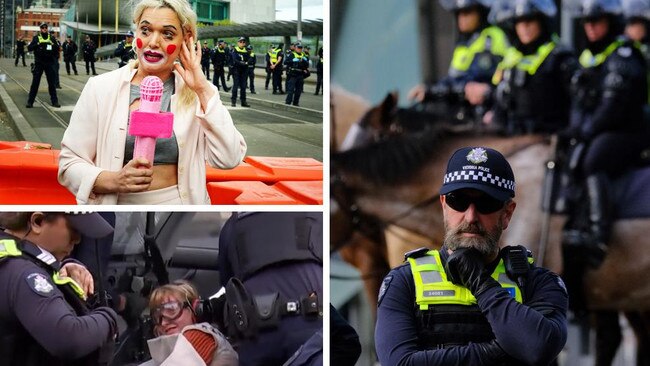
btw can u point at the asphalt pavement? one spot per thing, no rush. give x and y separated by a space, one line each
270 127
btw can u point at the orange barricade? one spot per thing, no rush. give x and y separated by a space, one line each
28 175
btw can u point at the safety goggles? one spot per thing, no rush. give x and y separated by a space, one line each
169 310
484 204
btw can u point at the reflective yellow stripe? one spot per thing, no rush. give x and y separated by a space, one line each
274 55
587 59
8 248
43 40
63 281
433 288
464 55
528 63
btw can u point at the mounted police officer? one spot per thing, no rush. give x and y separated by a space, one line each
219 58
239 66
44 317
272 264
533 81
479 49
471 303
125 50
46 54
610 91
297 71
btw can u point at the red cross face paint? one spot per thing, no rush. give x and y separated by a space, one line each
138 42
171 48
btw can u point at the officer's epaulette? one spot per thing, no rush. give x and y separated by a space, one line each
416 253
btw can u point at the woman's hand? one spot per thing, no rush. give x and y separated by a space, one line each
80 274
135 176
191 71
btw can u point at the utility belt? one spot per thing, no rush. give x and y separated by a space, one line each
246 315
294 71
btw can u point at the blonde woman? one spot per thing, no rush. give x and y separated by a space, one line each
182 339
97 163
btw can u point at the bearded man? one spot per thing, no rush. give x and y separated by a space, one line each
472 302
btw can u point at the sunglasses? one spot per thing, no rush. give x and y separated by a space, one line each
170 311
484 204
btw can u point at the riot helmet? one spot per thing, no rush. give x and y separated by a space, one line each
636 9
592 9
456 5
504 11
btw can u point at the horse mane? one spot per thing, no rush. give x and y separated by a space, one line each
395 159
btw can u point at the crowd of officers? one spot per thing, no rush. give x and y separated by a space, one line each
241 60
510 69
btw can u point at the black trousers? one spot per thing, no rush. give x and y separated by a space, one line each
277 79
69 61
39 69
294 89
251 78
19 55
239 83
90 62
219 74
269 75
319 82
614 152
206 69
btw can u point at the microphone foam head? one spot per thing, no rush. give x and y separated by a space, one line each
151 89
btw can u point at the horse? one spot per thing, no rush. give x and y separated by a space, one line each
395 180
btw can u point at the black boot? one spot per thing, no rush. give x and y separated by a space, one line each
599 216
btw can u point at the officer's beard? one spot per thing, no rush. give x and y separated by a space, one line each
487 242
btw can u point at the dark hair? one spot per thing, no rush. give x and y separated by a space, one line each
19 221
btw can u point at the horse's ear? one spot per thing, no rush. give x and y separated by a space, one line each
388 108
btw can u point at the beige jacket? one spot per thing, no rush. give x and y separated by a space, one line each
176 350
95 139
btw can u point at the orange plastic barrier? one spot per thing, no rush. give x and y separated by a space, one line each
247 193
309 192
28 176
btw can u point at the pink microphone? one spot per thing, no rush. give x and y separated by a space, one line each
148 123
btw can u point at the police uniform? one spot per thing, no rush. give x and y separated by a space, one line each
533 82
278 257
275 57
46 53
205 61
20 51
239 66
251 68
43 320
89 49
219 58
69 56
319 71
125 51
297 71
422 318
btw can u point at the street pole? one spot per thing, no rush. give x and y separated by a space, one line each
117 13
299 35
99 25
13 27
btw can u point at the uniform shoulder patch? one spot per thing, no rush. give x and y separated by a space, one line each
625 51
40 284
416 253
560 283
384 286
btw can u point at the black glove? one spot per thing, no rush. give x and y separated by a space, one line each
492 353
465 267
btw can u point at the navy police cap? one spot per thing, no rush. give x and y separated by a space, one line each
479 168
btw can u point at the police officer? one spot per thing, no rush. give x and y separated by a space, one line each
205 59
20 50
470 302
44 319
89 49
479 49
70 55
57 66
285 280
276 58
239 66
288 56
267 67
297 71
637 19
319 71
533 81
46 53
251 68
610 91
124 50
219 57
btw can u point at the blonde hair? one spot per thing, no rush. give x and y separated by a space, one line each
180 289
187 17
